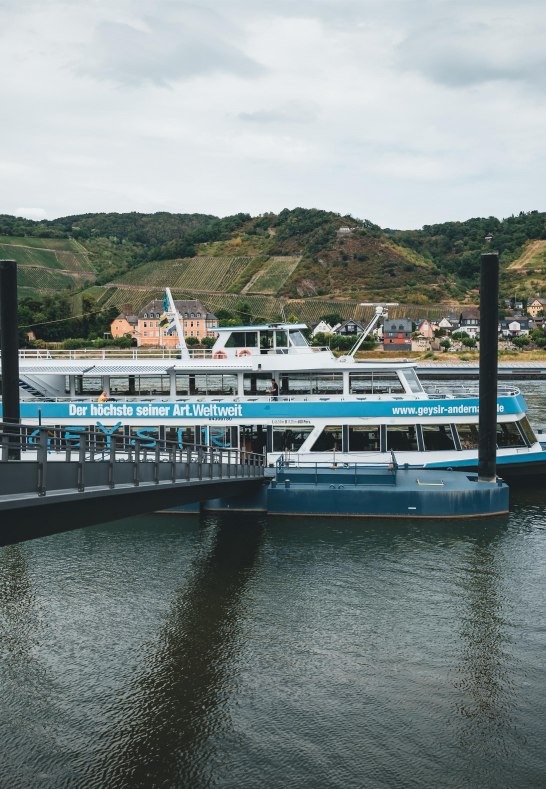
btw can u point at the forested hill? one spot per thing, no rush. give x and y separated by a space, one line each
456 246
293 255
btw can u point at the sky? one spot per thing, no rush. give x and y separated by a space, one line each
403 112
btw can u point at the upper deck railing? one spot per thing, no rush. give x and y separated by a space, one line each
462 391
103 354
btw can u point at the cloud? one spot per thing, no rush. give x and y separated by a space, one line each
484 47
31 213
180 42
402 111
292 113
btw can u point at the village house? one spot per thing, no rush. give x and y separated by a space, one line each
514 327
348 328
125 325
322 328
536 306
425 328
194 318
449 323
469 322
397 334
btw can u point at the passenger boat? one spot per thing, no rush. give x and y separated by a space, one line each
321 409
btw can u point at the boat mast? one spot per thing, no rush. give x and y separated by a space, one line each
184 353
380 312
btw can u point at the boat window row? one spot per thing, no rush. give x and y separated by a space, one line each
401 438
292 383
291 438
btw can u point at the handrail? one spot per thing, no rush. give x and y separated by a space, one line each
287 461
350 471
142 352
461 391
45 445
110 353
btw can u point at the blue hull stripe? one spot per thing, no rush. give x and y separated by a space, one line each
502 460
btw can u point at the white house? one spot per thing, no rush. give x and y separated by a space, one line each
322 328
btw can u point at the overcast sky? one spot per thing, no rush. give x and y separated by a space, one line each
404 112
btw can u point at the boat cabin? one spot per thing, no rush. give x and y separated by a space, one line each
272 338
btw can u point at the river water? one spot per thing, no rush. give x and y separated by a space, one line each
172 651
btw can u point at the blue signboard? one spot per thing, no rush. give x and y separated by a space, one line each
191 412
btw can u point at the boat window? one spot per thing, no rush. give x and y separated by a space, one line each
211 384
281 339
219 437
401 438
183 437
257 383
182 384
413 381
468 436
88 384
146 436
508 435
242 339
361 383
380 382
327 383
298 339
253 438
296 383
527 430
364 438
311 383
331 438
289 439
437 437
266 341
154 384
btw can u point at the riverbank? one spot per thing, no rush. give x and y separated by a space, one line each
463 358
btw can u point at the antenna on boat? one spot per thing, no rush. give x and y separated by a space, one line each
173 312
381 311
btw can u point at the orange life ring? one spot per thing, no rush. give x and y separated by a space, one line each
219 355
244 352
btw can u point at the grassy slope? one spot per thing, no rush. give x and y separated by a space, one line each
46 265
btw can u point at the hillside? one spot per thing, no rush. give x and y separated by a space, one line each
48 265
303 263
455 247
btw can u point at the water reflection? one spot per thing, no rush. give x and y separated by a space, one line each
20 621
169 715
485 665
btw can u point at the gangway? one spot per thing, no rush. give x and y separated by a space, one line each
50 482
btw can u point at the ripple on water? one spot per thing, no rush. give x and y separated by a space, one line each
239 652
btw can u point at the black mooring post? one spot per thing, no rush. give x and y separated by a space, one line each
9 339
489 321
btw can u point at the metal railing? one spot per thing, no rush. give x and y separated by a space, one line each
156 460
111 353
461 391
152 353
353 473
